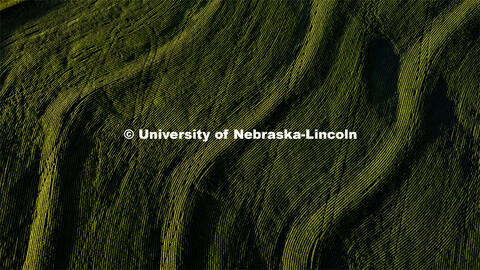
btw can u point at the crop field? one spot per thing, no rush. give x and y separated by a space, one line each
76 193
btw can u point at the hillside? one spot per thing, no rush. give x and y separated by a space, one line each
402 74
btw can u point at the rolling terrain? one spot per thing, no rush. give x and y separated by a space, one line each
403 74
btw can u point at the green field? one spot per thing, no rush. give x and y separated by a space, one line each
74 193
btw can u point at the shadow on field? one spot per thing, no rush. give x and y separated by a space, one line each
381 72
13 17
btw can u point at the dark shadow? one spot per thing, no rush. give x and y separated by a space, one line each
332 253
253 258
201 231
17 218
439 115
15 16
71 171
203 222
205 213
381 72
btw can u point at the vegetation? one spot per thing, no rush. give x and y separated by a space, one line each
402 74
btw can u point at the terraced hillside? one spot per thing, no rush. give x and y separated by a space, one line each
75 74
